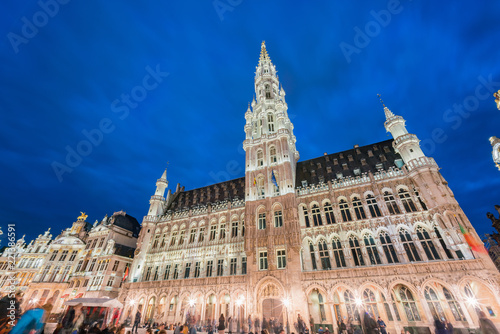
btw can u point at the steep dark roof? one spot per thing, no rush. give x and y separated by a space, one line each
125 251
228 190
351 163
127 222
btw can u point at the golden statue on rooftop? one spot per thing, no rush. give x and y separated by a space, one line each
82 217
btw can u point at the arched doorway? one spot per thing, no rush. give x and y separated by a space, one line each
150 309
271 307
210 310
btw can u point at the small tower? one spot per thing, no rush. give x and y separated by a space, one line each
495 153
406 144
157 201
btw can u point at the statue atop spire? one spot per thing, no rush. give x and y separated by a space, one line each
387 111
263 52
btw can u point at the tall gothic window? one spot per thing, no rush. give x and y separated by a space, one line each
350 303
213 232
389 251
454 306
358 208
338 253
278 218
427 244
268 91
370 303
281 259
356 251
373 206
234 229
270 122
443 244
192 236
433 302
324 256
316 216
163 240
260 188
306 217
424 207
405 197
262 260
272 153
222 231
201 235
409 304
371 249
262 221
181 237
344 210
330 218
260 158
409 246
172 239
391 203
313 256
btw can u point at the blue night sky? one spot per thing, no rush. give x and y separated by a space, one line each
85 70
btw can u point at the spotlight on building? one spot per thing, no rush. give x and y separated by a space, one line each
358 301
472 301
286 302
192 302
240 301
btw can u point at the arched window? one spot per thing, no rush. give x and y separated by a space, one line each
356 251
350 304
371 249
270 122
313 256
163 240
173 238
387 308
306 216
222 231
391 203
370 303
234 229
358 208
260 158
272 154
409 246
77 284
192 235
324 256
409 304
373 206
389 251
434 305
330 218
181 236
344 210
424 207
454 306
405 197
155 241
338 253
427 244
443 243
316 216
261 220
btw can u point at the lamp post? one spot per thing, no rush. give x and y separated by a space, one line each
286 302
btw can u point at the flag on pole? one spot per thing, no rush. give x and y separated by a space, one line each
126 274
473 244
273 178
254 181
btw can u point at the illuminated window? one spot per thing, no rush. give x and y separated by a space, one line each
356 251
409 246
338 253
371 249
324 256
427 244
388 248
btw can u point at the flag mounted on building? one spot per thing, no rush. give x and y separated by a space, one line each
273 178
473 243
126 274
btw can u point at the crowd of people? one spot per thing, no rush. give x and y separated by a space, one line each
74 321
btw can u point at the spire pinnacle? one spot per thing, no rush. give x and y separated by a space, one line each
263 52
388 113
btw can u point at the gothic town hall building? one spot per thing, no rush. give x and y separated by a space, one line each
375 229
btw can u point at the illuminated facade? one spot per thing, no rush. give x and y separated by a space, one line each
372 228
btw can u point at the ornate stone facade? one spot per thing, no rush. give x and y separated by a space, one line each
374 228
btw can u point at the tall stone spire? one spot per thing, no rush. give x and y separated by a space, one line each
157 201
270 144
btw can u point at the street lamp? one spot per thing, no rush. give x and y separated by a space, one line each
286 302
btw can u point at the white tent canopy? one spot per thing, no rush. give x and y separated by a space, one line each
99 302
